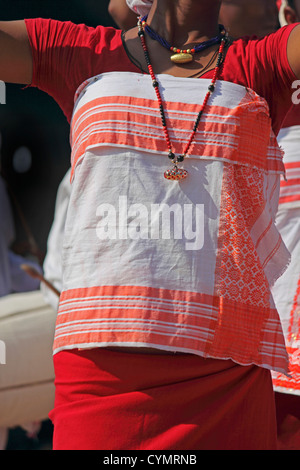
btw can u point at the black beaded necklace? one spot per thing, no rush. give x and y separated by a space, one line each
178 173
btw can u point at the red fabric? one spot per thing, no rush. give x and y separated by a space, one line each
293 117
107 400
65 55
288 421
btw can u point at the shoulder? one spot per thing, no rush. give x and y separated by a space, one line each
263 65
272 49
258 62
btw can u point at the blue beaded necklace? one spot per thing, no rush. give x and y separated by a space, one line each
182 56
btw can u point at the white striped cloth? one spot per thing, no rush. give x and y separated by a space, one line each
286 291
289 139
200 281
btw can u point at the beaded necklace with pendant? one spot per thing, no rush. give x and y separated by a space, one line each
182 56
176 173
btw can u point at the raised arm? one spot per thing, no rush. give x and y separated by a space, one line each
15 53
293 50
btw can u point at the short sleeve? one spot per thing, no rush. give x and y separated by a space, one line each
262 65
66 54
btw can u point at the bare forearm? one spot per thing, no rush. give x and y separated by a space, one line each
15 53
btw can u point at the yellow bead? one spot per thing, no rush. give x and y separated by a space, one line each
181 58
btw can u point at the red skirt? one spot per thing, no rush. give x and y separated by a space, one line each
108 400
288 421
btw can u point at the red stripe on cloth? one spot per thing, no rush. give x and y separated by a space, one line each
285 199
290 182
290 189
292 165
174 320
291 383
231 134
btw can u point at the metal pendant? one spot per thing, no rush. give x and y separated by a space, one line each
181 58
175 174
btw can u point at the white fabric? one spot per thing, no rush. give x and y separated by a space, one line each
289 140
119 153
284 293
102 171
284 290
286 287
141 7
53 263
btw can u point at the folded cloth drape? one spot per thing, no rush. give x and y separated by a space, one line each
206 293
112 400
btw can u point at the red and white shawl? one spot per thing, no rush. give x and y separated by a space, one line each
201 283
286 291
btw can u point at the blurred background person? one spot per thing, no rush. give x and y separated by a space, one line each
27 324
249 18
240 17
12 278
26 330
289 11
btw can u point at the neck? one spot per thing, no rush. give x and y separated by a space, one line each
185 21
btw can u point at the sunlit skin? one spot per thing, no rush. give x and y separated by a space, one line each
182 23
249 17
